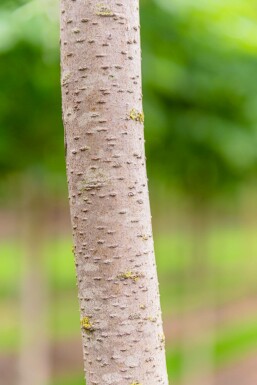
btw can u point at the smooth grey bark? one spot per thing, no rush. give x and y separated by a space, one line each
123 341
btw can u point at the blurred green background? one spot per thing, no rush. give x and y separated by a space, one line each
200 102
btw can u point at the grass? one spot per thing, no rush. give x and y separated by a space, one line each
70 380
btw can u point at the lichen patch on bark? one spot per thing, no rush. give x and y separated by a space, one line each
130 275
86 324
103 10
136 115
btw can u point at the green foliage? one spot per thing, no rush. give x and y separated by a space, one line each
199 65
30 106
31 127
200 97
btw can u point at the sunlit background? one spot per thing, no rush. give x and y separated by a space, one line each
200 102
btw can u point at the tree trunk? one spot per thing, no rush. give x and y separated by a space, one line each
121 323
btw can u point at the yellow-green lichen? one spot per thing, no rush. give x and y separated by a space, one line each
129 275
162 338
103 10
135 383
136 115
86 324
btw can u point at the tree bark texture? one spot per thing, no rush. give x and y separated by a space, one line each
123 341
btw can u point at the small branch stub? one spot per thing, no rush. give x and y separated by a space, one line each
162 338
